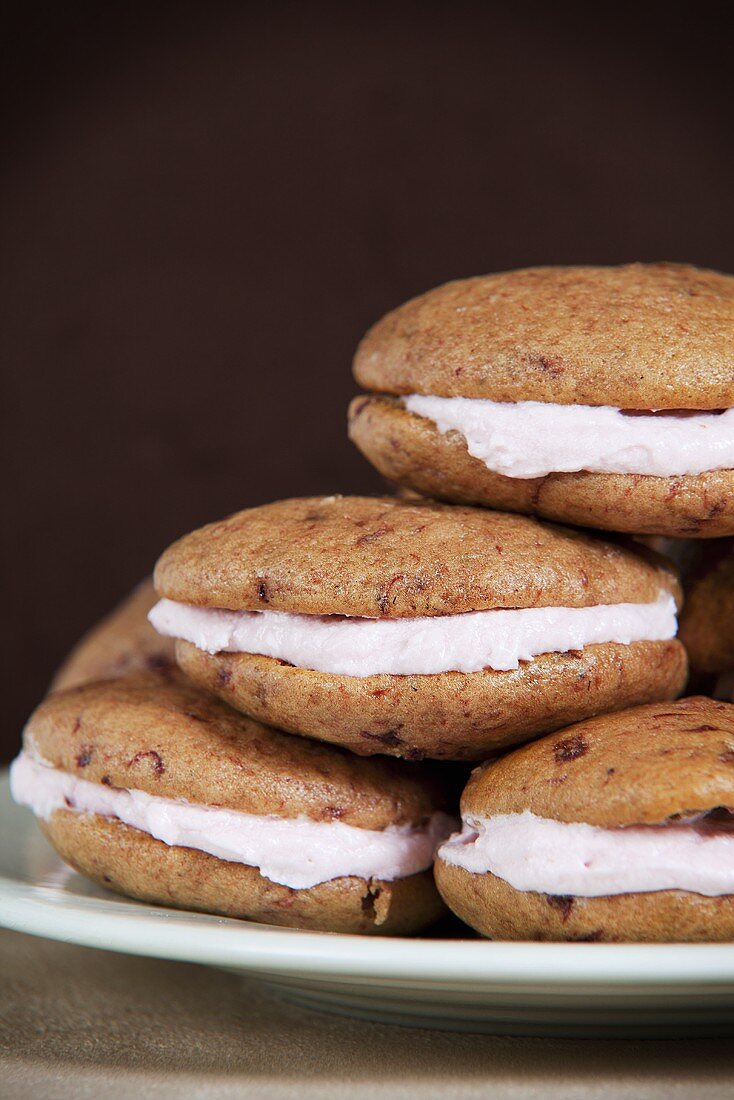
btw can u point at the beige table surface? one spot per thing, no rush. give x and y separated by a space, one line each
81 1023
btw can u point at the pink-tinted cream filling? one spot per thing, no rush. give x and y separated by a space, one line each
554 857
497 639
296 852
531 438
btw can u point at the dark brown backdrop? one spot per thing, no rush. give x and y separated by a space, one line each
204 208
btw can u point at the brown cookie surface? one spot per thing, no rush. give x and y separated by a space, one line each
645 766
499 911
410 451
380 556
172 740
449 716
707 622
123 642
139 866
638 336
642 766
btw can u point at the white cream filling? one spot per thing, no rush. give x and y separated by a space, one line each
296 852
531 439
554 857
497 639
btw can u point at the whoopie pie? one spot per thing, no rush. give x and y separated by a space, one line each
618 828
158 791
598 396
417 629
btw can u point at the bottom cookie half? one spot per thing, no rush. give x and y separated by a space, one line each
133 863
499 911
447 716
411 451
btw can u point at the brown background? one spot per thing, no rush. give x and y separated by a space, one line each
203 208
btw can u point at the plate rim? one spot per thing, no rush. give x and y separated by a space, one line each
120 924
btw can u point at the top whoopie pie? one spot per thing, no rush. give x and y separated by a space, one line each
602 396
122 643
417 629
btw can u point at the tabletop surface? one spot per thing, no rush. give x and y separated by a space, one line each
79 1023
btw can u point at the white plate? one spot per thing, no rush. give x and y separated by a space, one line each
462 984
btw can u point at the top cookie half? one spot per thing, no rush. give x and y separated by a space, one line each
638 336
383 557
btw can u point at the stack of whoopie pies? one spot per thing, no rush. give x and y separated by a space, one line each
276 742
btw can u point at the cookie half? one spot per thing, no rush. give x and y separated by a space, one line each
417 629
597 396
160 792
123 642
618 828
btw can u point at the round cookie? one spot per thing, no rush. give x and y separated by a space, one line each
179 750
444 716
421 566
638 337
640 333
634 776
123 642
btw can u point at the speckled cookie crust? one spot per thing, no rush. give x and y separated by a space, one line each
640 766
638 336
451 715
647 765
499 911
123 642
172 740
410 451
380 557
133 863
